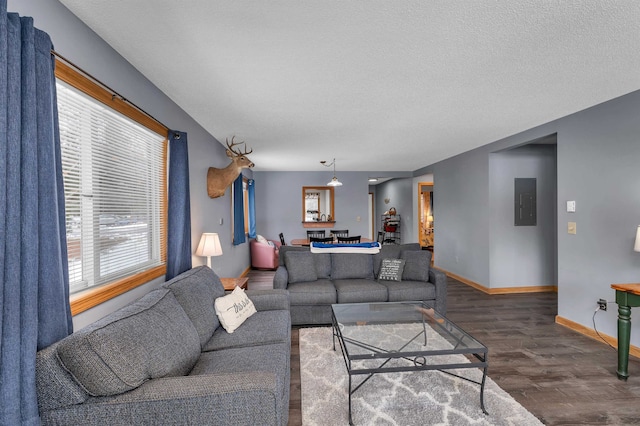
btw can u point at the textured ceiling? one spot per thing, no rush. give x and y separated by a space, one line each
379 85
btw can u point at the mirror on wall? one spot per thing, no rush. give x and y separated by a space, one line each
318 204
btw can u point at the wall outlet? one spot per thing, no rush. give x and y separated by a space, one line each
602 304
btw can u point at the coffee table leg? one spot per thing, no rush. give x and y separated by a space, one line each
350 392
484 377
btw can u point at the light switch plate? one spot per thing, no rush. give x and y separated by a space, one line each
571 206
571 228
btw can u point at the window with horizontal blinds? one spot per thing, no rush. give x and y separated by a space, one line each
113 171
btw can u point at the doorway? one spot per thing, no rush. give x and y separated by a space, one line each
426 216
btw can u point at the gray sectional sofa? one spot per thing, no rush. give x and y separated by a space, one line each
165 360
315 281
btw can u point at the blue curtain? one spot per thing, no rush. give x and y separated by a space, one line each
34 281
179 224
252 208
238 212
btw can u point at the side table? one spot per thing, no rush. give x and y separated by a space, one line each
627 297
231 283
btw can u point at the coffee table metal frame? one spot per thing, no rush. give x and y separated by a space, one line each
402 312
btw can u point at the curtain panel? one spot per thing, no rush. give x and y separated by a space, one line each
238 212
34 281
252 207
179 221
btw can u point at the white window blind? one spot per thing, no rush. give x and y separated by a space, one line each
113 172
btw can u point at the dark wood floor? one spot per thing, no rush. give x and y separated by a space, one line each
559 375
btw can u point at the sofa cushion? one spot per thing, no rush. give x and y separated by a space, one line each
150 338
320 292
301 266
351 265
261 328
224 364
416 267
286 249
391 269
360 291
409 290
196 290
233 309
323 265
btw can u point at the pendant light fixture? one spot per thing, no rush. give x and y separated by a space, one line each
334 181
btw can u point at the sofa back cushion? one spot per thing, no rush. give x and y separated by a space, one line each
150 338
351 265
300 266
286 249
321 260
323 264
196 291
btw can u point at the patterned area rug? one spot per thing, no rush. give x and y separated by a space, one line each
406 398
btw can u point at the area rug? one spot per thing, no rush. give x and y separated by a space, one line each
403 399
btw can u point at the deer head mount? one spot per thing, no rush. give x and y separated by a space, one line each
219 179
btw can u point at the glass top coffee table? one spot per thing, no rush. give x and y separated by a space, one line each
388 337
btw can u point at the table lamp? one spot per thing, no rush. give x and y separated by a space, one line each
636 247
209 246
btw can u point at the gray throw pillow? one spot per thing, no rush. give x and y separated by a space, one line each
391 269
300 266
416 267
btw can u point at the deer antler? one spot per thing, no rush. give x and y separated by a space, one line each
237 143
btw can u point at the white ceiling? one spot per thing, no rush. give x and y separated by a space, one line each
378 84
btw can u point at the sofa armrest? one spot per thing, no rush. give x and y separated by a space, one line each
281 278
269 300
225 399
439 279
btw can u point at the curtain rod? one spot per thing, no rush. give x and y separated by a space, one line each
114 94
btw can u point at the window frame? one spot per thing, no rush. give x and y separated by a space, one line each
94 296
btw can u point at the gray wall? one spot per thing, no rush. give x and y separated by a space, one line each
400 195
461 204
597 154
279 202
73 40
522 256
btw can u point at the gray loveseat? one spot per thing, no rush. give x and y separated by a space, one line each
315 281
164 360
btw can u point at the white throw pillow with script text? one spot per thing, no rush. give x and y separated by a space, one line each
233 309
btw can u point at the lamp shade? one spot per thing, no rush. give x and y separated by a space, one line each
334 182
636 247
209 245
